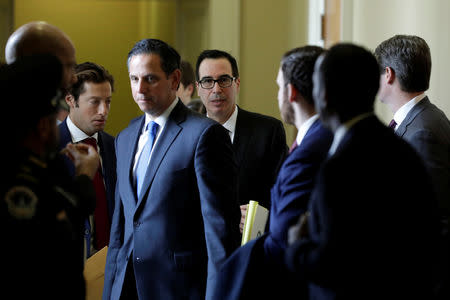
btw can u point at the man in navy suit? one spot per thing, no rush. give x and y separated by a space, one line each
405 63
259 141
169 237
89 101
257 267
372 227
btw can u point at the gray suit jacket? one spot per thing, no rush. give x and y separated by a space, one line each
427 129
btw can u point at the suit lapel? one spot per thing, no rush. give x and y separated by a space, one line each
418 108
64 138
167 137
130 139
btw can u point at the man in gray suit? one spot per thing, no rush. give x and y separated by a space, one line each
405 65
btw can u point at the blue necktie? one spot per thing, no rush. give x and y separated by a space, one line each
141 169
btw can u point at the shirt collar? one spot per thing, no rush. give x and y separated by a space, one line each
161 120
230 124
401 113
77 134
304 128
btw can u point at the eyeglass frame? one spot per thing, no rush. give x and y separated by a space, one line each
200 82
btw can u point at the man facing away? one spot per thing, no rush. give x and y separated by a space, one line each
89 101
259 141
369 234
186 90
405 64
175 215
256 270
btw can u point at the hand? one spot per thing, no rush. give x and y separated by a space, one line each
84 157
299 230
243 214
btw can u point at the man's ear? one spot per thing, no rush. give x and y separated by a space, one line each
190 89
292 93
176 77
70 100
390 75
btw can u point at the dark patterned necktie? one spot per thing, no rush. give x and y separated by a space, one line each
392 124
101 220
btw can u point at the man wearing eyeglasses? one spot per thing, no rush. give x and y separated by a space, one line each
259 141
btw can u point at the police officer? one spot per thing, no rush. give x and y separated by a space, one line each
41 207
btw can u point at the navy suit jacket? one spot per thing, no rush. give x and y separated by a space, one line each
373 224
183 227
255 269
260 148
108 154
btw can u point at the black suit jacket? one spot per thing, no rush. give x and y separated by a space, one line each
260 147
373 225
255 269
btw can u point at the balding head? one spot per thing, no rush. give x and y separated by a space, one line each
43 38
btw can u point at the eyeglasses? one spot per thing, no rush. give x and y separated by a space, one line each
223 82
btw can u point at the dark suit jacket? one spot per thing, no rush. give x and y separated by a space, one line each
373 224
255 269
427 129
184 226
108 154
260 148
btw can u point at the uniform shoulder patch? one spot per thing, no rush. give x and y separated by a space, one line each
21 202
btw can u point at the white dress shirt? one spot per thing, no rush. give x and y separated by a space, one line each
401 113
161 121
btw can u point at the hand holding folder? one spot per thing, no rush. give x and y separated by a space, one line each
255 221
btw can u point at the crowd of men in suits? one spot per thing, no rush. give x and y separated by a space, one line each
358 209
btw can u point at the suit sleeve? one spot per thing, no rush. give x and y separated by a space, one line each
115 243
311 257
216 176
436 157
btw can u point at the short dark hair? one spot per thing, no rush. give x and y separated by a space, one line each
351 79
89 72
410 58
216 54
297 66
170 59
187 75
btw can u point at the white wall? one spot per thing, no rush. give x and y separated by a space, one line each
375 21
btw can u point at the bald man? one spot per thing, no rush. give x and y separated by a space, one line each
39 37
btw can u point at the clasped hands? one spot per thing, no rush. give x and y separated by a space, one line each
84 157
